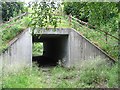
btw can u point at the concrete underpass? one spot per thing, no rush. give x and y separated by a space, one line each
55 49
61 44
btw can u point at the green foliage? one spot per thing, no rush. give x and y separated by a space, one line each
8 34
26 21
89 75
43 15
11 9
23 79
99 14
37 49
100 76
113 76
77 9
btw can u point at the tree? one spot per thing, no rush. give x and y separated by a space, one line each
77 9
43 15
100 14
11 9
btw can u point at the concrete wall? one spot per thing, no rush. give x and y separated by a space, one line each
19 51
57 31
82 49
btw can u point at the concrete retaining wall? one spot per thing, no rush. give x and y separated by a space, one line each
82 49
19 51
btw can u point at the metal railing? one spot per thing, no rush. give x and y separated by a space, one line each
87 24
16 19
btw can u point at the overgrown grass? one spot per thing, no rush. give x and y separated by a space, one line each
8 34
90 75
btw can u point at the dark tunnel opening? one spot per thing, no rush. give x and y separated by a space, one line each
55 49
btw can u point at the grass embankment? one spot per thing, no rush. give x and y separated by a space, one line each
95 73
8 33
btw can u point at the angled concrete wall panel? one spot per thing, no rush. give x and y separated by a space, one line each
19 51
82 49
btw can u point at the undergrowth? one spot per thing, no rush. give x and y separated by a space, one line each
94 74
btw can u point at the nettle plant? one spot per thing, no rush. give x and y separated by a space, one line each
43 15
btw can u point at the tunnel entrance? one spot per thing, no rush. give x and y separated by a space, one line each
54 49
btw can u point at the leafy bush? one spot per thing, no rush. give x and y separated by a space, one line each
98 14
37 49
43 15
11 9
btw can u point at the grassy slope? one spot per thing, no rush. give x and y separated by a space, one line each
9 33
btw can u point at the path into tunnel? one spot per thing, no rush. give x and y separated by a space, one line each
55 49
